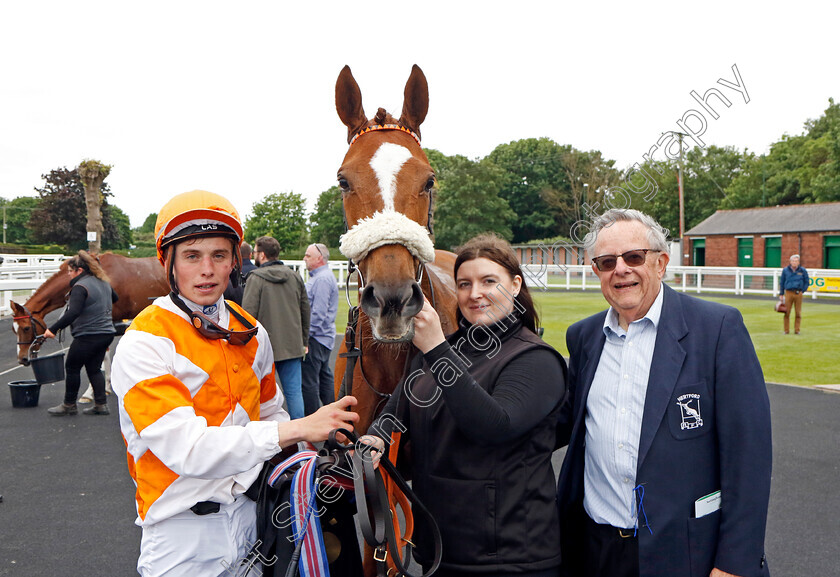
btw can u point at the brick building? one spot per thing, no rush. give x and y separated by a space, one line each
766 237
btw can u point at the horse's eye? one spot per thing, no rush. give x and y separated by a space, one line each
343 184
430 184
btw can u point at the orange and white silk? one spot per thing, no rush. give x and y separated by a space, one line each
198 416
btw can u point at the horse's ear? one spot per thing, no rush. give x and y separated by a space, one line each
415 100
348 103
17 310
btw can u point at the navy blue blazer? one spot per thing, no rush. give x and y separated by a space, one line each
718 438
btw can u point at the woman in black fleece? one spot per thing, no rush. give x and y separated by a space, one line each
480 409
88 314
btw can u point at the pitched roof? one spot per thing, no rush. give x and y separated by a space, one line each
773 219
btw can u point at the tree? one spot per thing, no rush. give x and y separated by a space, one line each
61 215
468 202
149 224
92 174
17 214
327 222
533 166
589 177
117 227
281 215
798 169
653 188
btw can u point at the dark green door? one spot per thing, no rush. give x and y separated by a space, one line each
699 245
745 252
832 251
773 252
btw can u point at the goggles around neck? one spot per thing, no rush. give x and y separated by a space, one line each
213 331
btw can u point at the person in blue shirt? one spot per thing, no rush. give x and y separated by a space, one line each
322 290
793 285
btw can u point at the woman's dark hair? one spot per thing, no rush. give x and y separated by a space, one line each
498 250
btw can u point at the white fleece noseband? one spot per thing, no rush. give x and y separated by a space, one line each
387 227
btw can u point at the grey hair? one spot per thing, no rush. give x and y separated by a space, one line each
657 235
322 248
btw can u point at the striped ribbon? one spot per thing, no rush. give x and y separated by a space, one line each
306 524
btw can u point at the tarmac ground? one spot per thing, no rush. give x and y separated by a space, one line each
68 502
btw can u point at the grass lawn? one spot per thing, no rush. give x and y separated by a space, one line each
808 359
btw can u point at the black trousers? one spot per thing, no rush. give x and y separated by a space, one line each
86 351
607 553
317 383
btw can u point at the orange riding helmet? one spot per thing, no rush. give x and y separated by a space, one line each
194 214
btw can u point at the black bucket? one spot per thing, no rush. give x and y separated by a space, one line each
25 393
49 369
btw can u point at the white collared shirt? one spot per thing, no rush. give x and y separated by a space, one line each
614 410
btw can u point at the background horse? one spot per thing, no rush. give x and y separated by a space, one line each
135 280
387 186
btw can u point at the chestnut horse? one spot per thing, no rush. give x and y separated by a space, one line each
386 186
135 280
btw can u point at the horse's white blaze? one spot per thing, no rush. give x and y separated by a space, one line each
387 163
15 326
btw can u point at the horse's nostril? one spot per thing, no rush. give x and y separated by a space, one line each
24 362
370 301
414 303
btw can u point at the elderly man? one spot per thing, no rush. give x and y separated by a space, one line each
322 290
793 285
667 473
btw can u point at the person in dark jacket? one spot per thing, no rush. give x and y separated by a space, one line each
235 293
88 314
276 296
480 409
793 285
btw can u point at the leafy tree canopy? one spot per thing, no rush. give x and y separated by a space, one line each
707 174
327 221
61 215
281 215
17 214
468 201
798 169
149 224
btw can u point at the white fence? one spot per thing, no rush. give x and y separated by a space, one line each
20 275
698 279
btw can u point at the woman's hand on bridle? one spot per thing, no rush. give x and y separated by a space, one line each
49 334
427 330
373 448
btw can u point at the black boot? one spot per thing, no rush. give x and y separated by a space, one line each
97 410
63 409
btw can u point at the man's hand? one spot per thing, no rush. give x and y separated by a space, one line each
317 426
427 330
718 573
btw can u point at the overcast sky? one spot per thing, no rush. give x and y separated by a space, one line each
238 97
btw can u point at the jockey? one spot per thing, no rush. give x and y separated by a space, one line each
200 410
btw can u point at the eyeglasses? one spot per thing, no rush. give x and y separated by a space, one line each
631 258
213 331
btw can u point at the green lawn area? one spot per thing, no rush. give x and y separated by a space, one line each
808 359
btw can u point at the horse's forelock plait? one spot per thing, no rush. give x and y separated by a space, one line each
383 228
381 116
